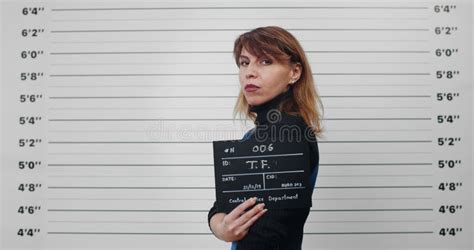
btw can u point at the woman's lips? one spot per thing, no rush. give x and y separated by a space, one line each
251 88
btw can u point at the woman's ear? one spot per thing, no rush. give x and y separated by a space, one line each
295 72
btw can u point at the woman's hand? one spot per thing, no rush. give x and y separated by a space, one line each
235 225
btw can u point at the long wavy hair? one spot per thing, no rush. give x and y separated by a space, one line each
283 46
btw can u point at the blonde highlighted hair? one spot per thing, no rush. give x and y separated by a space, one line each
283 46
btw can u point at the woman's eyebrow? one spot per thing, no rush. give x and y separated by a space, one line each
243 57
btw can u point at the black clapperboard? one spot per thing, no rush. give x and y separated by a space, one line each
277 173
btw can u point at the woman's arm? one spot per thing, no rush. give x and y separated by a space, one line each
235 225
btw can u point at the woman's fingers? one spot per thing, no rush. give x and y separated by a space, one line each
236 224
244 218
240 209
245 227
242 230
237 229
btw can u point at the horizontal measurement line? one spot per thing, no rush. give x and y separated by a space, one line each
234 85
227 108
376 96
201 154
401 232
249 7
221 64
212 199
206 211
234 18
373 210
327 130
226 41
127 210
150 142
225 52
201 165
125 97
200 222
377 153
223 96
210 119
170 130
132 199
117 165
343 222
240 30
338 187
362 199
368 51
137 52
223 119
66 187
360 107
138 86
135 176
181 176
240 132
226 63
176 74
326 187
408 141
130 222
161 86
122 142
118 233
377 164
363 175
233 74
178 234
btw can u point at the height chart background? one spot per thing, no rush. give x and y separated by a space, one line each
109 110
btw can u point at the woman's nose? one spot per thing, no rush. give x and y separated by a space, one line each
251 71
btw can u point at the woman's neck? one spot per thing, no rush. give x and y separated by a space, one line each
265 111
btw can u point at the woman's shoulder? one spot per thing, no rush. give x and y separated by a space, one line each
297 121
292 119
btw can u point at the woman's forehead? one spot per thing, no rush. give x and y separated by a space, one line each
246 53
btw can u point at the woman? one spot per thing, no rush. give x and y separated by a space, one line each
277 92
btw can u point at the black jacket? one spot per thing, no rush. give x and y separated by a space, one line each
278 229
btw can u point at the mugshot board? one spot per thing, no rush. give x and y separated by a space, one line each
109 111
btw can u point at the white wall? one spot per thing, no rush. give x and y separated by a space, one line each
132 94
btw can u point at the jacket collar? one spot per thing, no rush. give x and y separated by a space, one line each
266 110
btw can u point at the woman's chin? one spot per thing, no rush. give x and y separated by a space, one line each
254 101
251 100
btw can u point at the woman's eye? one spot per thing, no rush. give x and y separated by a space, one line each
243 63
266 61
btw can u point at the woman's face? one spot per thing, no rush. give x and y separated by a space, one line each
261 79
